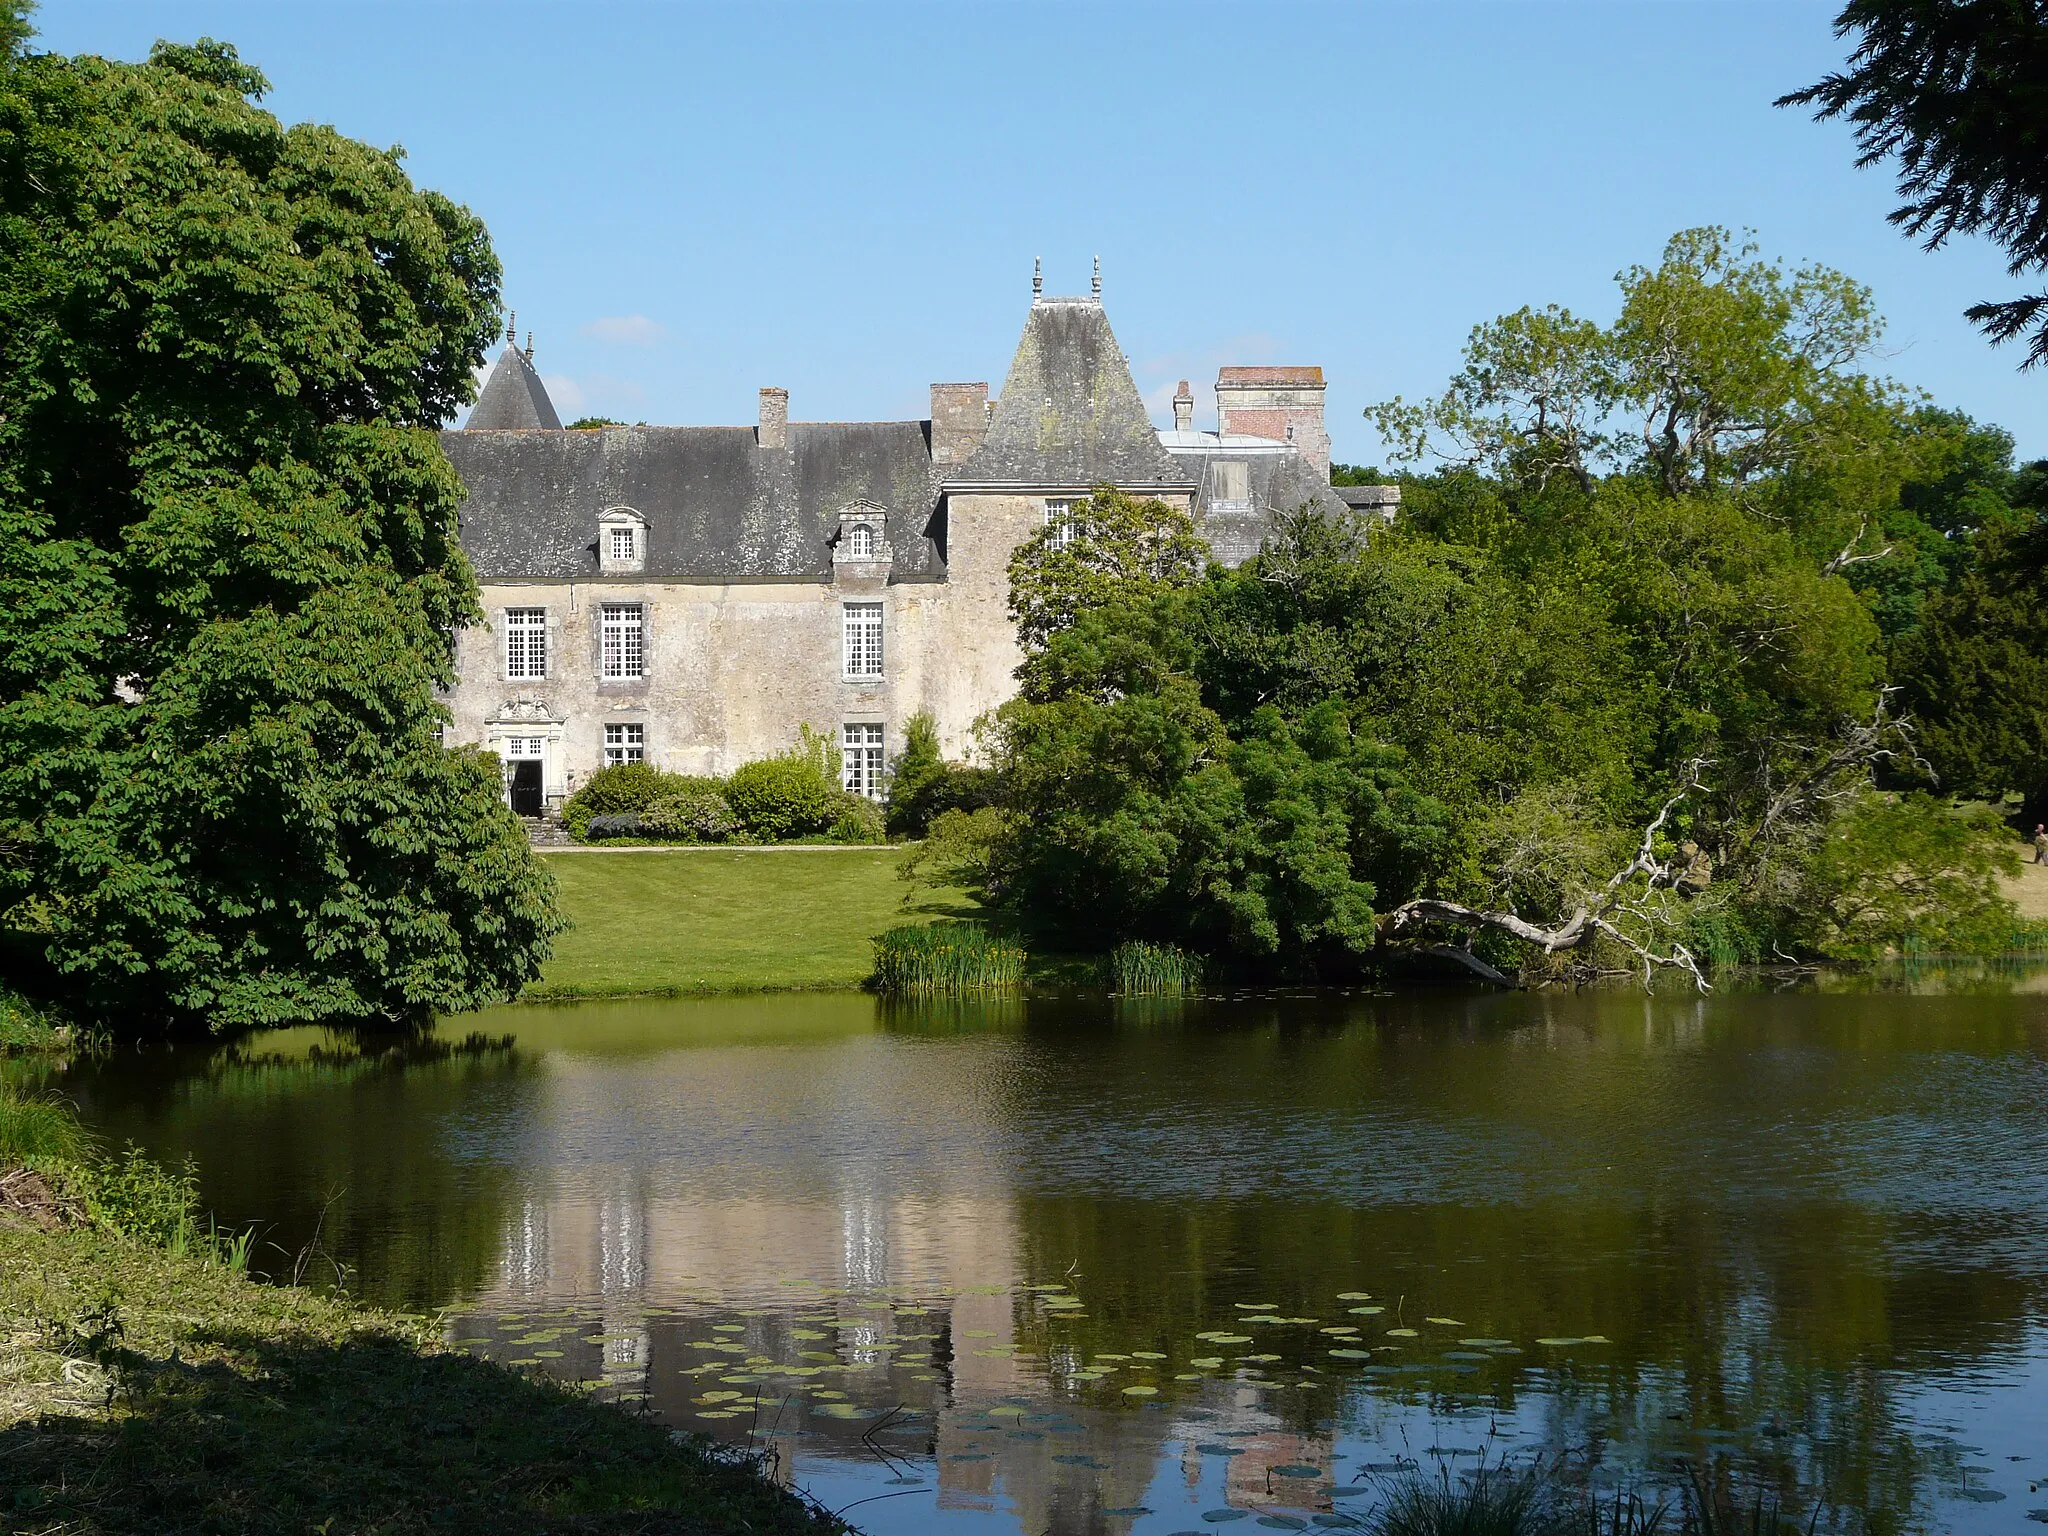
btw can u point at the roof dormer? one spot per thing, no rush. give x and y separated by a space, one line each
860 548
621 541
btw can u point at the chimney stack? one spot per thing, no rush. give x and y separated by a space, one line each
959 421
1284 405
1184 408
774 429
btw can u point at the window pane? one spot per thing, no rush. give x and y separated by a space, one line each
860 760
624 744
622 543
526 642
622 641
863 639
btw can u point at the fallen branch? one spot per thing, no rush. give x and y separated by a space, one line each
1587 919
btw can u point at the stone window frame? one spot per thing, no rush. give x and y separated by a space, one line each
612 521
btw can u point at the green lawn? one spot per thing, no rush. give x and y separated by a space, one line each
725 921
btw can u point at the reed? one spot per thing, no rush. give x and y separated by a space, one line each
1139 969
940 958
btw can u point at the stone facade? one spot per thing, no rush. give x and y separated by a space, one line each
692 595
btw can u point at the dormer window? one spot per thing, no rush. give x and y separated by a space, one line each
621 540
860 550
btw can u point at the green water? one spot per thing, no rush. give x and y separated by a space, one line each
1798 1239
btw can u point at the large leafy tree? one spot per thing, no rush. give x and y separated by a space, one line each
229 568
1614 688
1953 90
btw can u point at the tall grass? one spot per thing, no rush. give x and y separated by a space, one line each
38 1132
936 958
1154 970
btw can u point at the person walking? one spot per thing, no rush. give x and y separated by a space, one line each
2040 843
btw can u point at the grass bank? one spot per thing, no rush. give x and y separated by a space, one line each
145 1392
147 1385
727 920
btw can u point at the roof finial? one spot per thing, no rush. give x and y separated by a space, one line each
1037 279
511 327
1095 284
529 346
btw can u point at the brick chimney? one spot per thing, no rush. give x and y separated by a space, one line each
959 421
1184 408
774 429
1284 404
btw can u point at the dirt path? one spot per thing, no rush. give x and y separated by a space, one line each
2031 889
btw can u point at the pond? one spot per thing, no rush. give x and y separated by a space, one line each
1087 1265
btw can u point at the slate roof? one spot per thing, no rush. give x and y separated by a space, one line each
718 506
514 399
1069 413
1277 480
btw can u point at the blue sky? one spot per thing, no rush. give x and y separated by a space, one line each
845 199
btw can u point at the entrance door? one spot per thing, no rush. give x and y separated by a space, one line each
526 787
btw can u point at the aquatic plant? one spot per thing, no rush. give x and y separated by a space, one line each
1155 970
946 957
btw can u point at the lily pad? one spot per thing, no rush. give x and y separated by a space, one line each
1220 1516
1365 1311
1448 1322
1255 1306
1351 1354
1146 1354
1208 1448
1283 1522
1336 1522
1297 1469
1560 1343
1208 1362
1129 1510
1485 1343
1402 1333
1230 1338
1354 1295
1141 1391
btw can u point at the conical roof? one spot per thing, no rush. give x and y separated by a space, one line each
1070 413
514 399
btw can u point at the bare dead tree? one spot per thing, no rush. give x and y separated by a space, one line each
1623 896
1848 556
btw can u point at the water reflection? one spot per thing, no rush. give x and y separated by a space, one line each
1078 1265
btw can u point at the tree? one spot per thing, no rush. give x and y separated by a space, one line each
1952 88
229 563
1975 670
1112 544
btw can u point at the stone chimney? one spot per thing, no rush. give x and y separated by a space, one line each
1283 404
959 421
1184 408
774 429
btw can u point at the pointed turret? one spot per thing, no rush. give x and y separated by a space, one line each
514 399
1070 414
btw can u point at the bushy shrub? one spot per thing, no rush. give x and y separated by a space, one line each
610 791
855 819
699 815
613 824
143 1199
923 786
779 797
